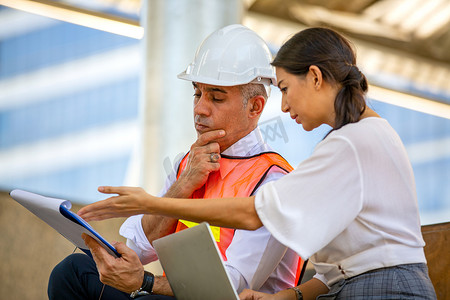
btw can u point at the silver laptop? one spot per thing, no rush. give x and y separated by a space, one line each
193 265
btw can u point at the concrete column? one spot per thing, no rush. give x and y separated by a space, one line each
173 31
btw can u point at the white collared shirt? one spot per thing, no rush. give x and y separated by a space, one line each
255 259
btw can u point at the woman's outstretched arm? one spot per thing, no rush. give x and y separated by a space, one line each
225 212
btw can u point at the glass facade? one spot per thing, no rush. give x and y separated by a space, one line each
41 126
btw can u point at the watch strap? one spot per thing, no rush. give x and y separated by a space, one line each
149 281
298 293
146 287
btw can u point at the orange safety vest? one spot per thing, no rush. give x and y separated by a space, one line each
242 176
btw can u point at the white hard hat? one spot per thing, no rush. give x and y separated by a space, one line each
233 55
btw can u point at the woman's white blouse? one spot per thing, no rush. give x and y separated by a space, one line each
351 207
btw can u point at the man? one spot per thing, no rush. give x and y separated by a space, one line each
231 75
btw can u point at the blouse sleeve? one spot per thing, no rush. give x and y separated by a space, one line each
306 209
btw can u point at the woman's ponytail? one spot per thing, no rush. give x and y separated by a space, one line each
350 101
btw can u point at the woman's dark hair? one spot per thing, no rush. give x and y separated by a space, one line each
334 56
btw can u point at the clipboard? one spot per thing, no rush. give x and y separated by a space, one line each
56 213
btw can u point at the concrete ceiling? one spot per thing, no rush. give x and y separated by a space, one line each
403 45
418 27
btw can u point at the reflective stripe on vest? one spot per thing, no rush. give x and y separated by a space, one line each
242 176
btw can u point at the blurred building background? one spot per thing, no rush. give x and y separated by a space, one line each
70 95
89 94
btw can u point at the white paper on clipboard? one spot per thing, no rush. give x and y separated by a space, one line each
56 213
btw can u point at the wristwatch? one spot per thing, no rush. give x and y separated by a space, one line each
298 293
147 285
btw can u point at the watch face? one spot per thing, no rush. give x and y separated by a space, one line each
139 292
134 294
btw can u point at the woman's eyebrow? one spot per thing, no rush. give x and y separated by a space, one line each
278 85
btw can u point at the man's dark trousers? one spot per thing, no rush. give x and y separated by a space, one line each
77 278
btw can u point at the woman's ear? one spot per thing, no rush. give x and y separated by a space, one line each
316 76
256 106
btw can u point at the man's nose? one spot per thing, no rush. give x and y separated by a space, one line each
201 107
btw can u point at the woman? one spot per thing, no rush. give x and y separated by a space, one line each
351 207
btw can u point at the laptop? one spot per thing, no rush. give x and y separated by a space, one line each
193 265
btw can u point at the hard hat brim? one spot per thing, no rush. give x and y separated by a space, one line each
211 81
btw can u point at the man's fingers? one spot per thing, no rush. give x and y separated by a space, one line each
210 136
90 242
204 151
212 148
214 157
123 249
98 252
215 166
